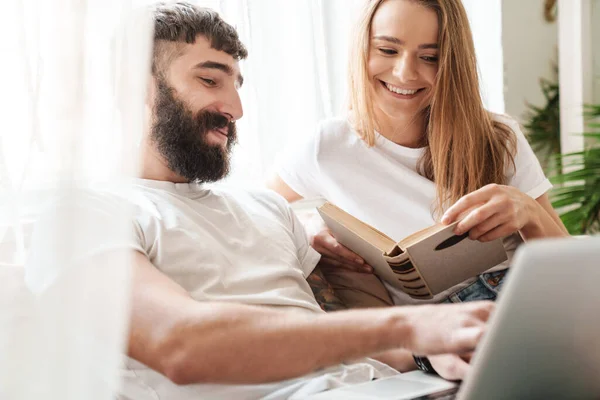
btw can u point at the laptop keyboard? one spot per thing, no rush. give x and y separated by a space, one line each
449 394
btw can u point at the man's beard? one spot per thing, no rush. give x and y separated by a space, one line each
180 137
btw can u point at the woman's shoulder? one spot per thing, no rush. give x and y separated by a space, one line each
335 126
523 156
507 120
520 141
511 123
337 130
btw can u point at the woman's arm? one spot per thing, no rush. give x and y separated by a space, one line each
548 221
278 185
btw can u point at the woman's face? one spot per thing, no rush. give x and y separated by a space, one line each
403 57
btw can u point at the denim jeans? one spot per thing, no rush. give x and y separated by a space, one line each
486 287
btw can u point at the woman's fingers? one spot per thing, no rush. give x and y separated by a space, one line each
498 232
492 212
468 201
329 247
486 226
475 217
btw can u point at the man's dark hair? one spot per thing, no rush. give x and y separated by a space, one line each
180 23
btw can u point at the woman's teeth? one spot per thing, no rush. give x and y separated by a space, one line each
397 90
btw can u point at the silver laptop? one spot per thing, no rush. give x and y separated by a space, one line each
543 341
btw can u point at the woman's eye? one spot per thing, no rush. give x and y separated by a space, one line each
388 52
430 59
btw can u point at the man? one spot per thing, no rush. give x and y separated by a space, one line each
221 306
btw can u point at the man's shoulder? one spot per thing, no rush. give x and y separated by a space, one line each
102 199
246 196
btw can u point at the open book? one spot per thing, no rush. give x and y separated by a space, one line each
423 264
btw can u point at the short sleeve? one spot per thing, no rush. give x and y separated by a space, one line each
527 174
307 256
297 165
76 228
139 239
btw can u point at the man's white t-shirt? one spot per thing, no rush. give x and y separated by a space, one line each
231 245
381 186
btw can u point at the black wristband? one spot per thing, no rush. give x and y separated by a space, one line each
424 365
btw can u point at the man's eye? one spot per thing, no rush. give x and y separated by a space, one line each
209 82
388 52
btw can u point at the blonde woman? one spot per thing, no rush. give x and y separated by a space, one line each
418 147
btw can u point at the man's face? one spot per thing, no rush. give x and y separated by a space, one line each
195 106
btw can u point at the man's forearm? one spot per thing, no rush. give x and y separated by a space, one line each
229 343
192 342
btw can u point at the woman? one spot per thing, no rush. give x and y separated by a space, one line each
418 147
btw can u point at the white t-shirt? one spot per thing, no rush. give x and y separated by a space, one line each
381 186
233 245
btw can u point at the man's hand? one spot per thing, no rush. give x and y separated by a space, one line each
446 328
451 366
446 333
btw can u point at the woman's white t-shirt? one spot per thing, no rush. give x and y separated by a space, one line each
381 186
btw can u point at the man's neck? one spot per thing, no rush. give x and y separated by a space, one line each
154 166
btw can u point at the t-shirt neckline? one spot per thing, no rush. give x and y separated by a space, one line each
383 142
177 188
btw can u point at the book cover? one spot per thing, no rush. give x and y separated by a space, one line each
423 264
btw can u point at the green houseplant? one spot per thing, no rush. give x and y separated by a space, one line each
577 192
542 124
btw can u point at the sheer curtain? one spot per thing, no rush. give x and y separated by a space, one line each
295 74
71 115
296 70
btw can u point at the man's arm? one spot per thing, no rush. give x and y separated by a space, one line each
324 293
192 342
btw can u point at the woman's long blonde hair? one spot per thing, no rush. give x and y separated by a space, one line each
465 148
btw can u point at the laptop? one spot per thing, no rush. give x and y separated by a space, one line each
543 341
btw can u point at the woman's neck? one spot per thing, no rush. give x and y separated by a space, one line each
406 131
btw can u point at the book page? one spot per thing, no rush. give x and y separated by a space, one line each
422 234
370 253
361 229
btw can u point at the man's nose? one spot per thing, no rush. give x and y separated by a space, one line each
232 107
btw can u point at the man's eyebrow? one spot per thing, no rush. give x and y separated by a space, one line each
221 67
397 41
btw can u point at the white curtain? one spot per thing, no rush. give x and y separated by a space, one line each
295 74
485 18
296 70
70 117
